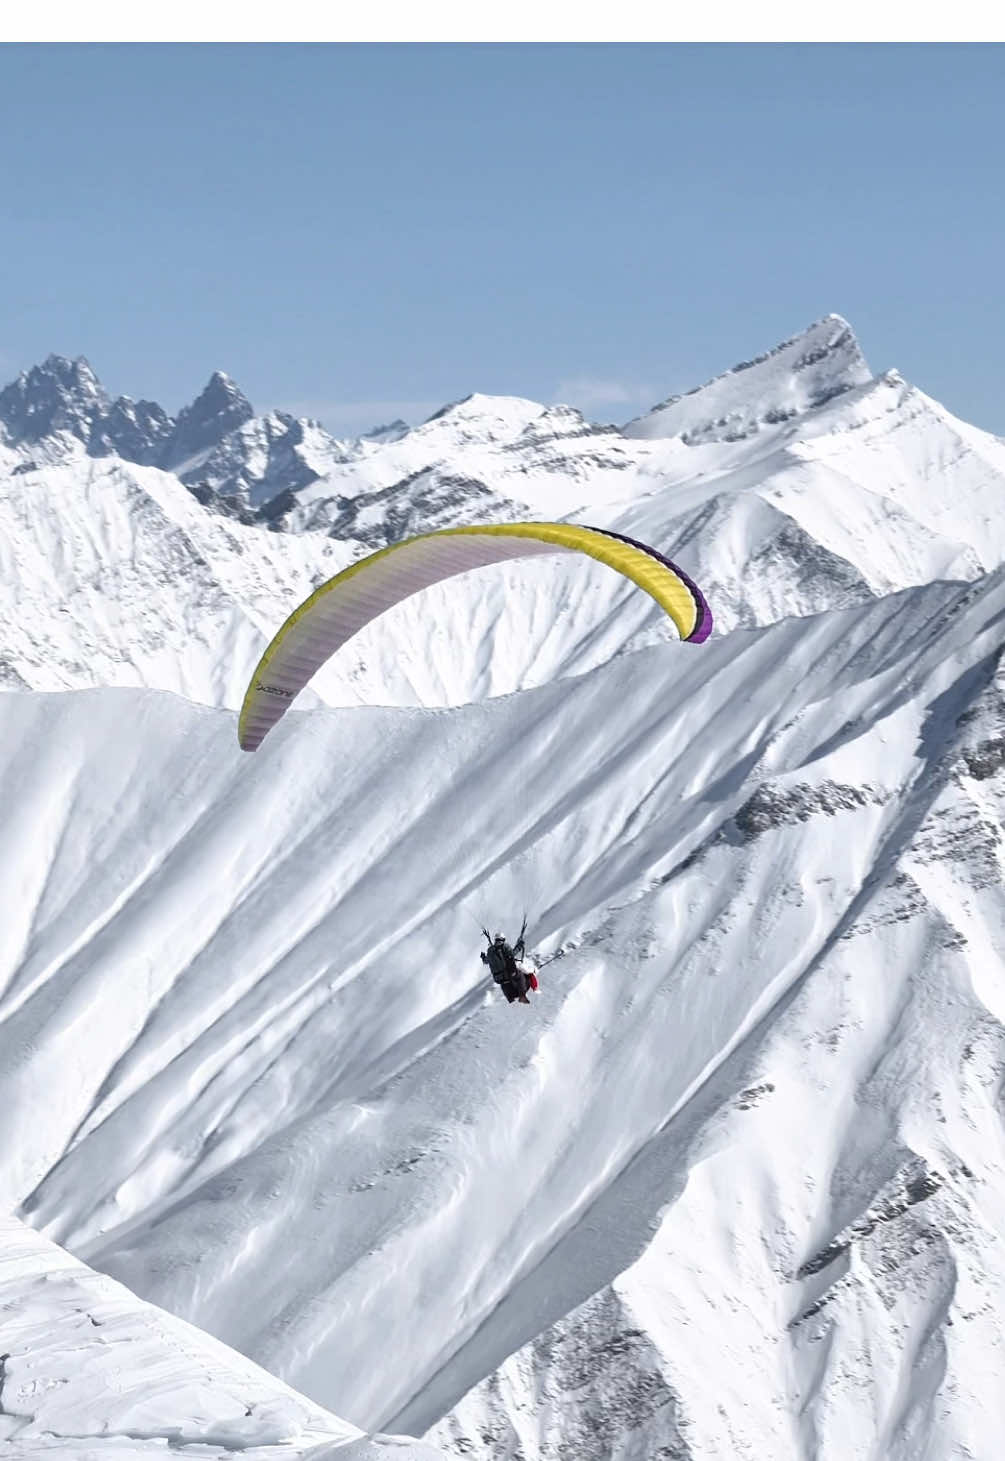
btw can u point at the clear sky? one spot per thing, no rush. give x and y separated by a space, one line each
361 232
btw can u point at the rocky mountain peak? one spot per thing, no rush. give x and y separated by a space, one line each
219 409
58 395
799 375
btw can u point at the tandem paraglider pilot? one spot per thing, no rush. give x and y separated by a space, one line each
509 969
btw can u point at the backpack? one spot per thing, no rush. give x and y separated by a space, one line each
500 960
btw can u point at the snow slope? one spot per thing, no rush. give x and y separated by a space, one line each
90 1372
113 574
258 1095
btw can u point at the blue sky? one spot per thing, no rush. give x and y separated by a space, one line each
359 232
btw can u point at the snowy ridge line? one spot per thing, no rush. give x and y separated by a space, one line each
884 487
803 373
90 1368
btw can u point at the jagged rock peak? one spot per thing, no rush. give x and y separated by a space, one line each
58 395
75 375
220 394
220 408
802 373
134 430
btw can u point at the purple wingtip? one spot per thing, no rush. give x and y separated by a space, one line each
703 628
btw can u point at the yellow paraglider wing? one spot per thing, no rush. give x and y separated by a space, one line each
341 607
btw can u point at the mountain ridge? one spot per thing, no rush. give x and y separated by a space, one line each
115 570
245 464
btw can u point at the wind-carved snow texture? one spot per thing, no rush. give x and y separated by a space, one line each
733 1183
93 1372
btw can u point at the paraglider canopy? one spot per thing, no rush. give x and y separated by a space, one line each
341 607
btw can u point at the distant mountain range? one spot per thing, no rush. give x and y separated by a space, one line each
287 472
795 482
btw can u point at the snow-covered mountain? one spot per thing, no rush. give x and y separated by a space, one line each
64 399
733 1184
113 574
800 374
226 455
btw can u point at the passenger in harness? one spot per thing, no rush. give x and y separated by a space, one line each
506 965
